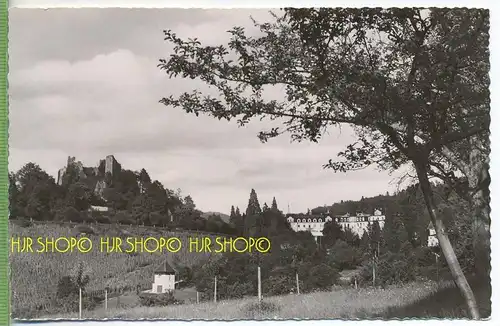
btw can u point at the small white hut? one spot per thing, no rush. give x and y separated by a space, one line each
164 279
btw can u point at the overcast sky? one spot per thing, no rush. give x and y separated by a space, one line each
84 82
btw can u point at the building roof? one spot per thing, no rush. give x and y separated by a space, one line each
325 215
165 269
306 216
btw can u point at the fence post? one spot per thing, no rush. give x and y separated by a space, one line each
259 284
297 281
106 299
437 267
373 271
80 304
215 289
197 297
355 282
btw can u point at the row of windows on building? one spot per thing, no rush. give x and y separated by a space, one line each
360 219
357 224
321 221
310 220
313 221
306 226
341 220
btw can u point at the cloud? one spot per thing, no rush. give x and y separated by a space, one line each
93 88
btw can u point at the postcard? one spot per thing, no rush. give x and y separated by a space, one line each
249 164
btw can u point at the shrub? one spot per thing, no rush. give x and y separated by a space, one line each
392 268
68 290
321 276
124 217
186 275
102 219
68 214
66 287
345 256
239 290
278 284
24 223
157 300
84 229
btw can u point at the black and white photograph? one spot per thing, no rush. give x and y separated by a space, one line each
249 164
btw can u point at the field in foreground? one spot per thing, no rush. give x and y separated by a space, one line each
34 276
340 303
34 280
445 303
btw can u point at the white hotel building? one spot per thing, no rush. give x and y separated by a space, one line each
315 224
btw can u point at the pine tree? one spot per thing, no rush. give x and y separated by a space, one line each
14 210
274 205
189 203
350 237
394 233
144 177
253 204
144 180
365 243
233 213
237 220
265 208
331 233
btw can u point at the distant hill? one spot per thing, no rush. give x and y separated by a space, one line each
223 216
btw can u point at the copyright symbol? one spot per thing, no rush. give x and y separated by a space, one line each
262 245
171 247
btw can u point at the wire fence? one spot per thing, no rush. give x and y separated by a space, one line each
100 301
114 298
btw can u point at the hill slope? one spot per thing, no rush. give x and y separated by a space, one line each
35 276
223 216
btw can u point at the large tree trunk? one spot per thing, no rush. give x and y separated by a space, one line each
476 169
479 181
481 225
444 242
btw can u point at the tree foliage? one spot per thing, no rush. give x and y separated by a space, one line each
411 83
396 74
133 198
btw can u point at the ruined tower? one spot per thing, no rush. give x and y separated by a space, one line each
111 165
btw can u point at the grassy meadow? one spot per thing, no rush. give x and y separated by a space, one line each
340 303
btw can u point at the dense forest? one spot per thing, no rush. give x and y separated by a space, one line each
395 254
132 198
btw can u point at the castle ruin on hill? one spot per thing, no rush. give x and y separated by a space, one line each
94 177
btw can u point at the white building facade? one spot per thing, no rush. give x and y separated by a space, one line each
315 224
361 223
312 223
